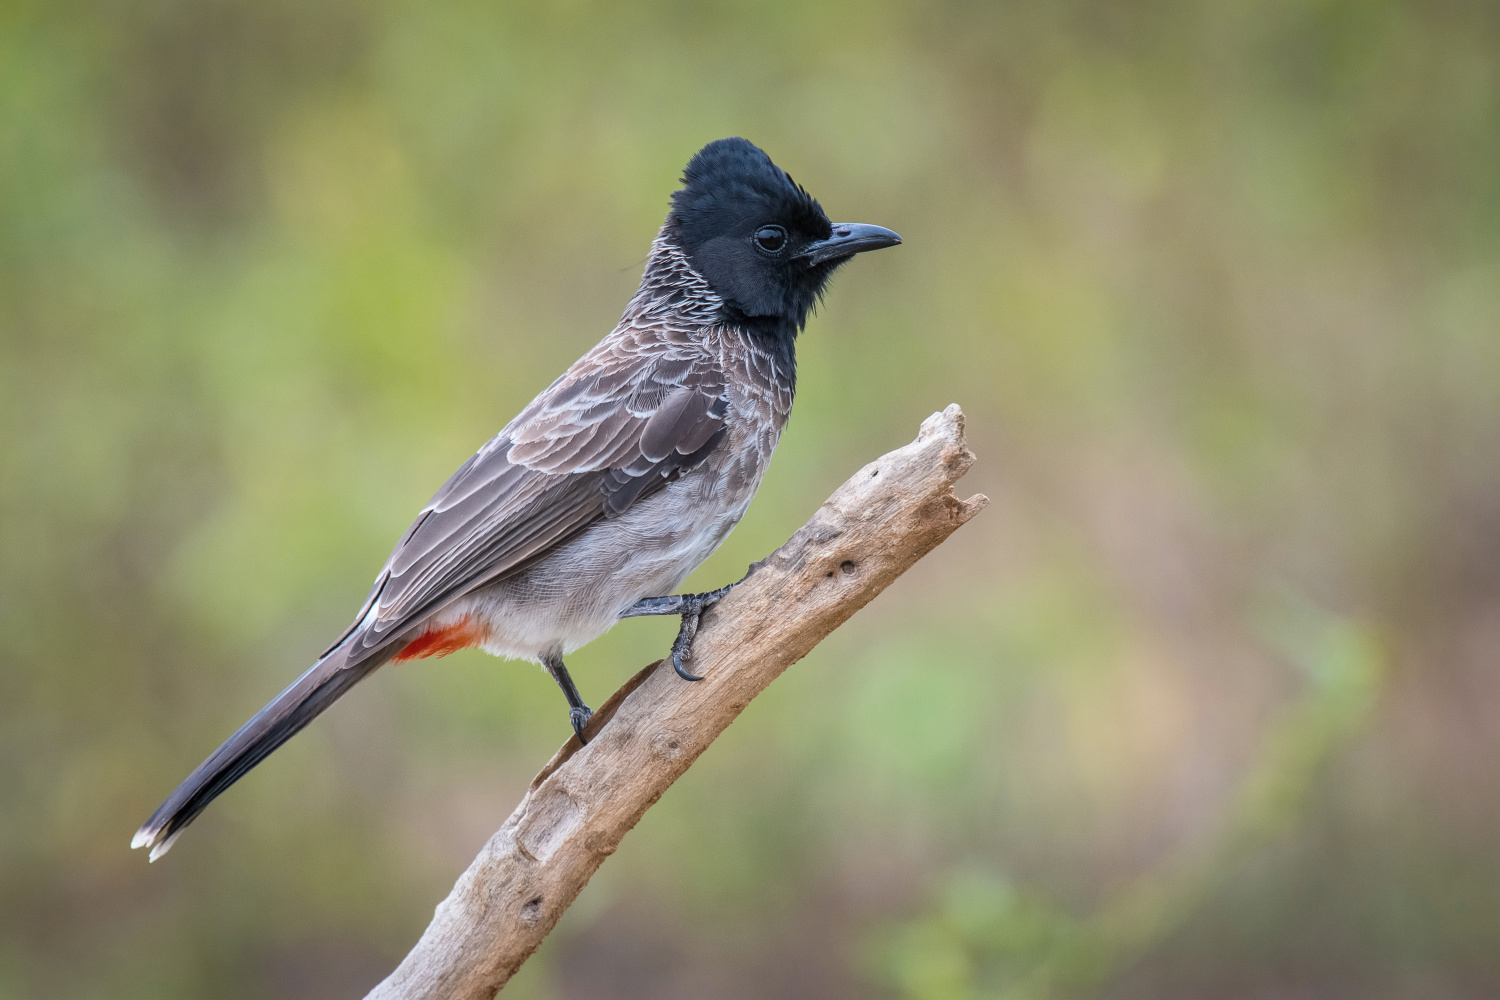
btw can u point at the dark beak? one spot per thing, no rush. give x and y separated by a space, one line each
848 239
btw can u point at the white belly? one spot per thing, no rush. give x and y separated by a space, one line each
577 592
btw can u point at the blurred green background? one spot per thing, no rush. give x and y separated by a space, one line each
1207 704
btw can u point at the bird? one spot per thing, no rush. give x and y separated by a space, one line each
613 484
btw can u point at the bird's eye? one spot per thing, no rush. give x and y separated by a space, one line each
770 238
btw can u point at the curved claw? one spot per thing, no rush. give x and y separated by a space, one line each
580 717
681 670
691 608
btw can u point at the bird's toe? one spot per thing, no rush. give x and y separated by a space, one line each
580 717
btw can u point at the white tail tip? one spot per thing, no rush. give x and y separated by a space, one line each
163 847
152 838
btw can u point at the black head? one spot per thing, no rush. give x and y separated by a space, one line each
760 240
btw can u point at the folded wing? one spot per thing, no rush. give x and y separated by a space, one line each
632 415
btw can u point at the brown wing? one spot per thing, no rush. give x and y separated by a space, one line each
634 413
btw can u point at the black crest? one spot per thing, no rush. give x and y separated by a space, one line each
743 222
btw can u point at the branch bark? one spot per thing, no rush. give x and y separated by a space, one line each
871 530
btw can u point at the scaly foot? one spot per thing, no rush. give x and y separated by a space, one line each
691 608
580 717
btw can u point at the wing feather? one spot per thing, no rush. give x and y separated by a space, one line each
677 416
630 416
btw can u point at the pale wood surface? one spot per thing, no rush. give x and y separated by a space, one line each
871 530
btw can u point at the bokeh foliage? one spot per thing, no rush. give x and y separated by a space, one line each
1202 706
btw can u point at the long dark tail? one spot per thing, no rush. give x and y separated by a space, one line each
304 700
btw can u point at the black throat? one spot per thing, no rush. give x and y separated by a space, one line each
672 281
776 335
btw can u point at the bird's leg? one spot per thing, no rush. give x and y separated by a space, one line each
578 713
691 608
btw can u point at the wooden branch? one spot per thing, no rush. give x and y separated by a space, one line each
894 511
